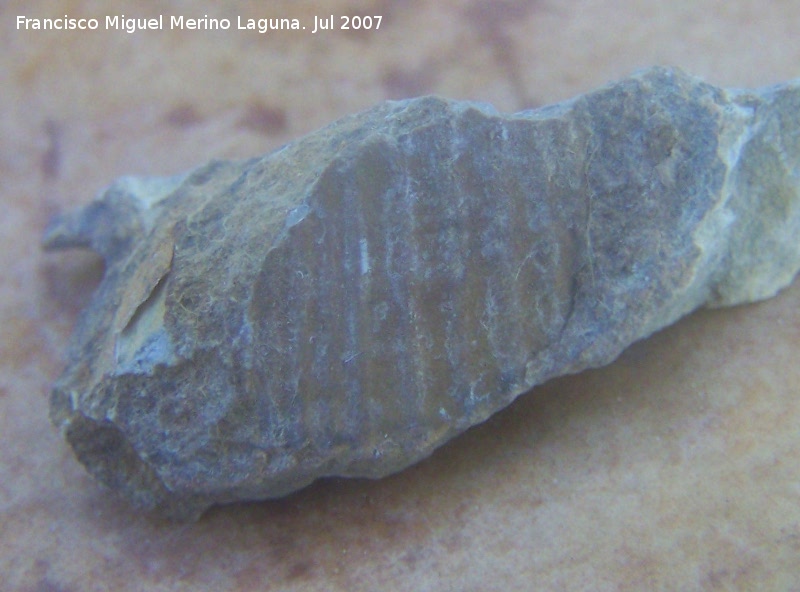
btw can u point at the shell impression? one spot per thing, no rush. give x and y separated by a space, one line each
348 303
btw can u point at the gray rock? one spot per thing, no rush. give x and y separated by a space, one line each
350 302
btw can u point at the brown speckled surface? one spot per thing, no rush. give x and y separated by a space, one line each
674 468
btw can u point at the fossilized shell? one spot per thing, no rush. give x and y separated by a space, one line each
348 303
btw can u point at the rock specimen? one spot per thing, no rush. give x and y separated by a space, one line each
350 302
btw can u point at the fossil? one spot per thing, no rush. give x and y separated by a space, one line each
348 303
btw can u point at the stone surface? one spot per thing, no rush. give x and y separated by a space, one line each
348 303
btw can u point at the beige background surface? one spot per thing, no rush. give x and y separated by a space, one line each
675 468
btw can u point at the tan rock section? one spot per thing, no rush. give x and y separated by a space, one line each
350 302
